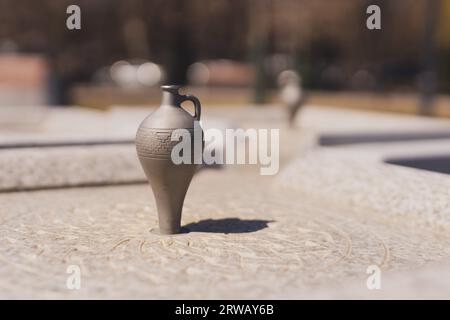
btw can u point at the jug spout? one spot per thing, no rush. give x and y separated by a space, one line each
171 96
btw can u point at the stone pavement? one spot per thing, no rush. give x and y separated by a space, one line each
355 177
309 232
248 241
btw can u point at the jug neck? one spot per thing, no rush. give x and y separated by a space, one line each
170 96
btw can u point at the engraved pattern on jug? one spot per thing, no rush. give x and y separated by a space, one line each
156 143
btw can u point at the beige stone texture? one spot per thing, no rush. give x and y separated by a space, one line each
309 232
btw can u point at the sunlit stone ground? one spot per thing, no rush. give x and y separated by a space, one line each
310 231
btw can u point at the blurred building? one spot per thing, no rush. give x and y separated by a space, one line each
326 41
23 80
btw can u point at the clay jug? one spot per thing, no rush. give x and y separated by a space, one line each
169 181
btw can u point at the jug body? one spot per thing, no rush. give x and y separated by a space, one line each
154 144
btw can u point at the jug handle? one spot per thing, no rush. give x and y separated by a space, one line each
197 105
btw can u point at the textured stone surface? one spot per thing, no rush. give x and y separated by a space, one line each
69 125
430 282
82 147
247 240
30 168
356 178
310 232
33 168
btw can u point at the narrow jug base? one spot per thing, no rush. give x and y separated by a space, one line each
158 232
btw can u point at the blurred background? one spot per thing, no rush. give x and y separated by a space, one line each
228 51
